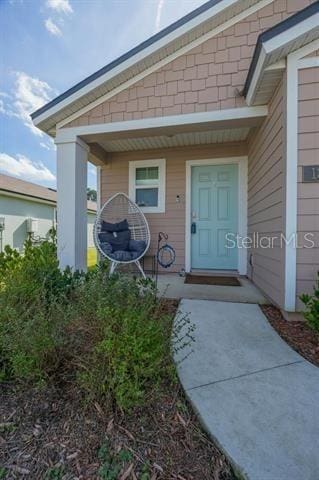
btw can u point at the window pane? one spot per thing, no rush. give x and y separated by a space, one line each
146 175
147 197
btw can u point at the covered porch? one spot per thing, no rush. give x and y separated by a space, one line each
212 135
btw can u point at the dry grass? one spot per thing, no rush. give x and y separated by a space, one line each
91 257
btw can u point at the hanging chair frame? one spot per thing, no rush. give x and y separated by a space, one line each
138 232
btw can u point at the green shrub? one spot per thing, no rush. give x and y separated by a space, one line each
312 307
110 334
130 351
33 298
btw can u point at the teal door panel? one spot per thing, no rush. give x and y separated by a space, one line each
214 215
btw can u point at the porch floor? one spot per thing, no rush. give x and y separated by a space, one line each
172 286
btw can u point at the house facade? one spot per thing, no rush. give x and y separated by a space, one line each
28 210
212 127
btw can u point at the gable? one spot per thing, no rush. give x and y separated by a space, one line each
186 33
209 77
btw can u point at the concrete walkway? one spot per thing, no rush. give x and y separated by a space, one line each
172 286
256 396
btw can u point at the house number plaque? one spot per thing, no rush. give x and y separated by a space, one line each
310 173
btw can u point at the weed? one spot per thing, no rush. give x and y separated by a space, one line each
54 473
3 473
312 307
112 464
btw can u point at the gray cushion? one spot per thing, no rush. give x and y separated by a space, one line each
118 240
106 247
122 256
137 247
115 227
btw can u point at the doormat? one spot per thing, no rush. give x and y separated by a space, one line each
212 280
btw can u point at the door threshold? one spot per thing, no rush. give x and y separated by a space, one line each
217 273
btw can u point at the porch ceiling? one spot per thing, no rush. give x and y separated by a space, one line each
175 140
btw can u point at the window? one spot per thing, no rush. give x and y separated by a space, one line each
147 184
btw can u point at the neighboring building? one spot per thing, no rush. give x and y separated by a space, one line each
29 210
208 125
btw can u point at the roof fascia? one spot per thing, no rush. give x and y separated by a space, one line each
276 37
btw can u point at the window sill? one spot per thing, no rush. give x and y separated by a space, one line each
152 209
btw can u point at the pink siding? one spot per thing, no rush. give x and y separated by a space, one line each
209 77
266 200
308 193
114 178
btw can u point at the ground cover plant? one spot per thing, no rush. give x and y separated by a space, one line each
88 386
312 306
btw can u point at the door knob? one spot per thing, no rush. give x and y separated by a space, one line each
193 228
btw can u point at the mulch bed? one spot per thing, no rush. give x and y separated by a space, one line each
297 334
53 434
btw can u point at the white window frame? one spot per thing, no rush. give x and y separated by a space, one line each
161 164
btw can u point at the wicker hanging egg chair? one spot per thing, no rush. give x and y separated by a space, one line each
121 232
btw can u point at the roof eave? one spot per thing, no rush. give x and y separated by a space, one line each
276 37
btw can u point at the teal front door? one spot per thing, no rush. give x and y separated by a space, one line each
214 214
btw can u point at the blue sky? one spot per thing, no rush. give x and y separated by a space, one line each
46 46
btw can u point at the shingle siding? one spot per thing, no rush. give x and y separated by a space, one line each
308 193
266 200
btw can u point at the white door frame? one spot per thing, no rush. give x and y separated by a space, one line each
242 163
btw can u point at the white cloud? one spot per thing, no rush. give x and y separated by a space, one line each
61 6
92 169
2 102
28 95
48 145
159 15
2 109
52 27
22 166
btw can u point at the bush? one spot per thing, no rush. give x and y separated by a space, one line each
312 307
127 339
110 335
33 298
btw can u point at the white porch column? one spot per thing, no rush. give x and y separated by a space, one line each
72 160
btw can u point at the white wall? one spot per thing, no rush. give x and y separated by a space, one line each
91 220
17 210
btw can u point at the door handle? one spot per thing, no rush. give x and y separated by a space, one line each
193 228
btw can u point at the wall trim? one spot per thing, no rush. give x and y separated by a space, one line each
291 141
291 183
26 197
67 135
242 163
241 16
98 188
310 62
34 199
